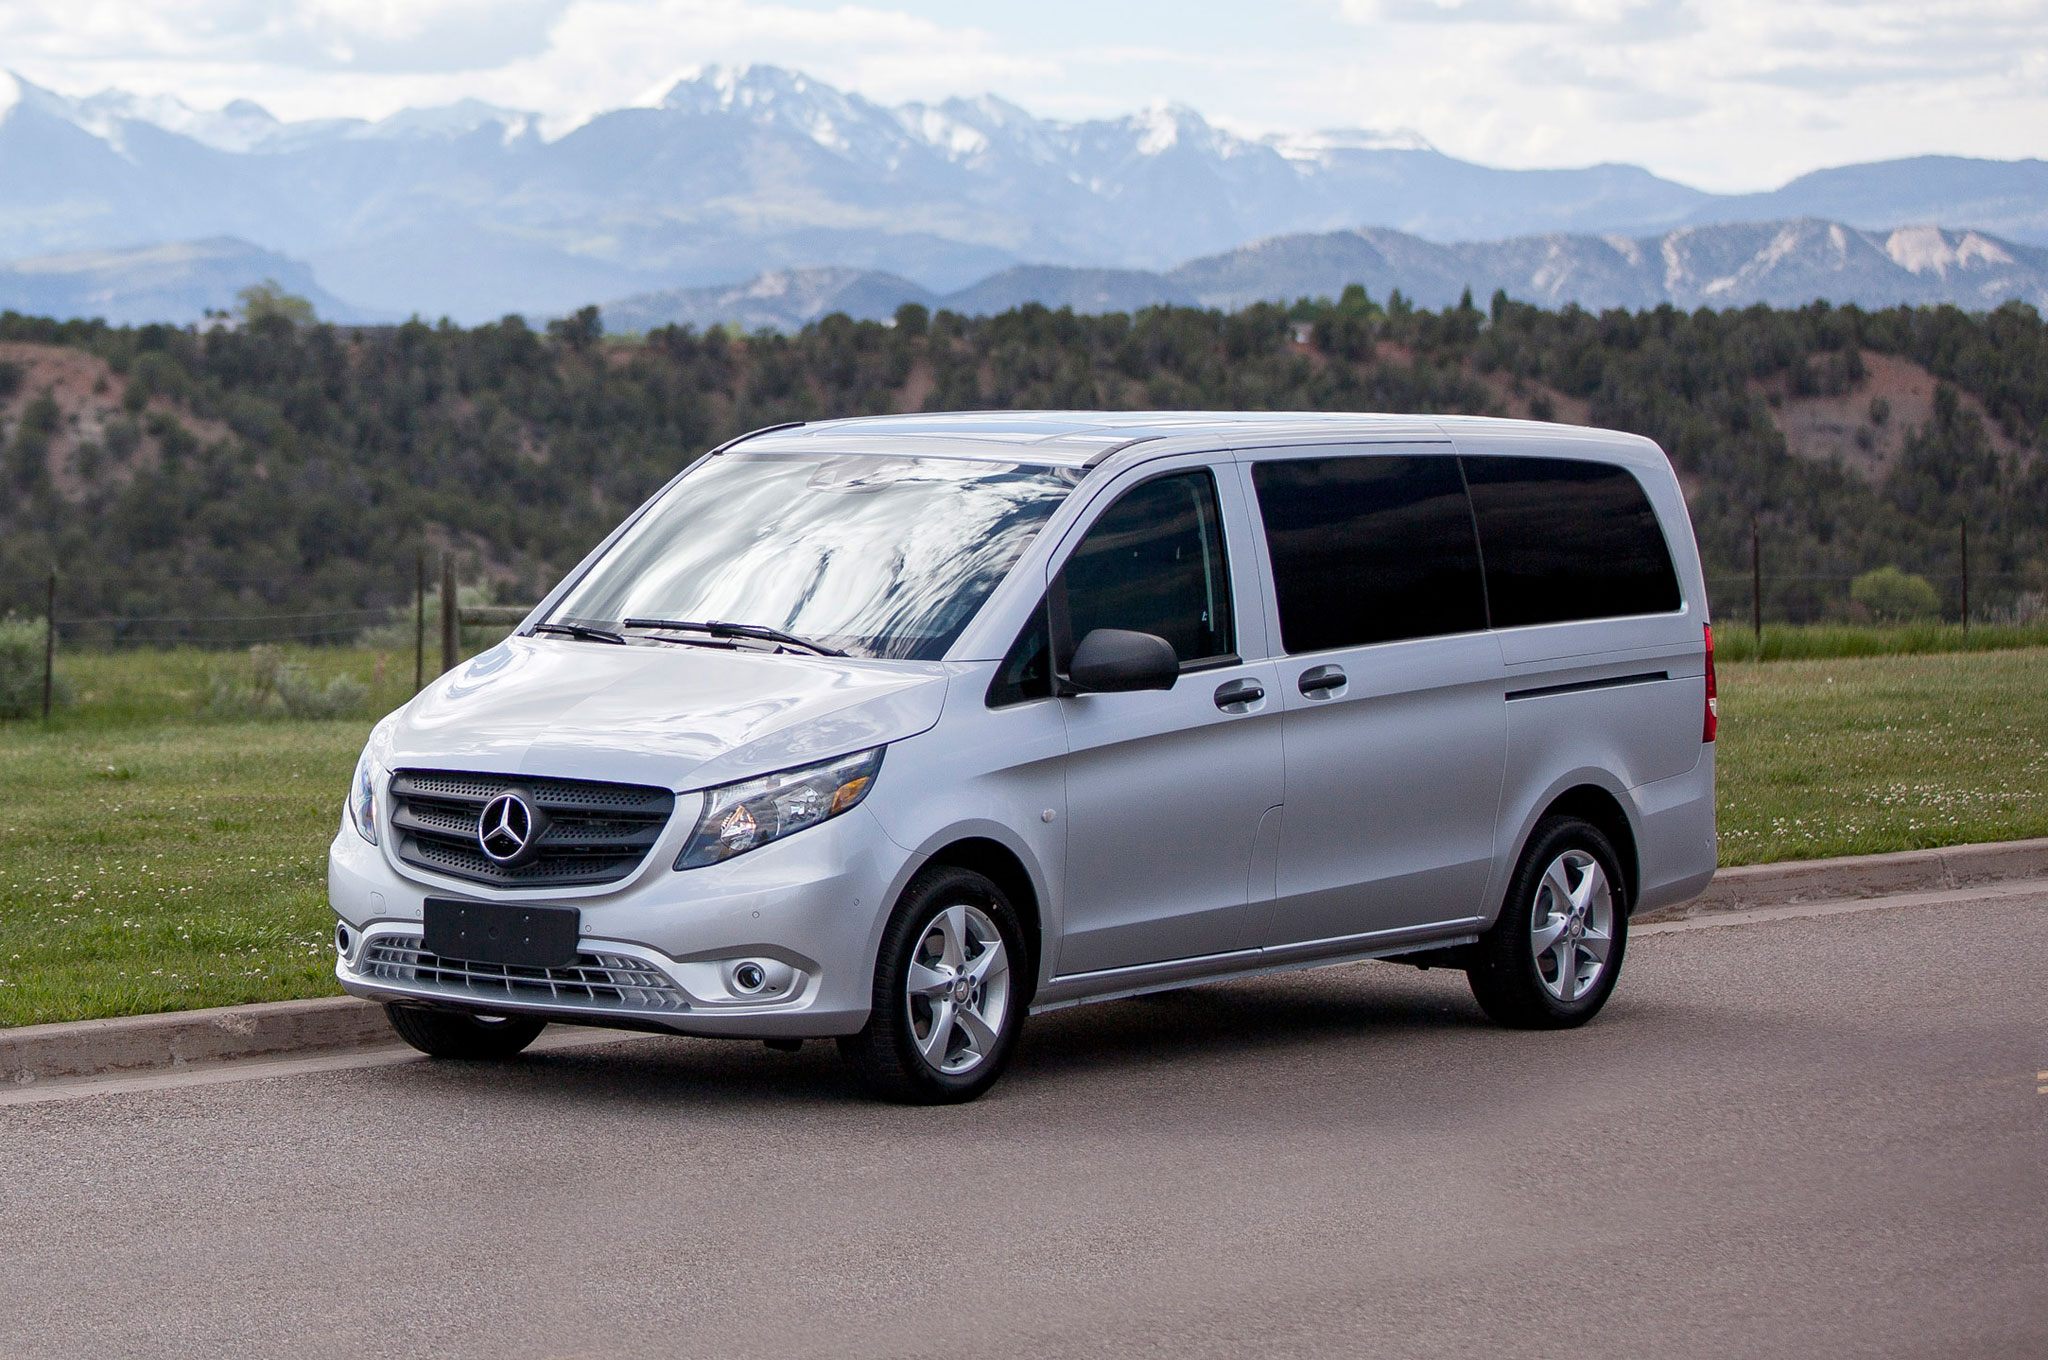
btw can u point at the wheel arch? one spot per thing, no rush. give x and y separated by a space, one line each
1003 866
1600 806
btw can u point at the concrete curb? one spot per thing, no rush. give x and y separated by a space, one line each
137 1043
98 1048
1859 876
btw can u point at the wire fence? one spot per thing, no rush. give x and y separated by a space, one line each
87 612
435 625
1823 597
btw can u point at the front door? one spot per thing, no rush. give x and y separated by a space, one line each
1167 790
1395 724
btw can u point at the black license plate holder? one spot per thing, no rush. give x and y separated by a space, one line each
516 934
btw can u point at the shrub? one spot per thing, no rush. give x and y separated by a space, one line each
21 670
1895 596
273 687
397 634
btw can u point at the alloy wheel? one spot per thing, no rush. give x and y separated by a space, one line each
1571 928
957 989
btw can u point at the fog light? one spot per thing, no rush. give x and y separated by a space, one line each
757 979
342 939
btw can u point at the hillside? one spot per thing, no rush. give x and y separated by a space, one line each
269 471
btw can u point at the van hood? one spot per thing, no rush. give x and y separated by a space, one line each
679 716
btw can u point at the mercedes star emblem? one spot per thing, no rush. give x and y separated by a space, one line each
507 829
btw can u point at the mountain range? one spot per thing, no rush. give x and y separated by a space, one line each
174 280
471 211
1782 264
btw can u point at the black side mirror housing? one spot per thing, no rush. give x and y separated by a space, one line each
1115 660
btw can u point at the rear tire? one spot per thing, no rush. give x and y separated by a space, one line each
949 994
454 1034
1551 960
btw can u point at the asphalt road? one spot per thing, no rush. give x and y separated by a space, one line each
1807 1137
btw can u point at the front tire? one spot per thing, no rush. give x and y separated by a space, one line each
1551 960
455 1034
949 992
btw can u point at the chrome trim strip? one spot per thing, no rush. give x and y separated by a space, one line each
1577 686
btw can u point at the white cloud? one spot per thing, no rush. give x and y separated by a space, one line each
1725 93
362 35
565 58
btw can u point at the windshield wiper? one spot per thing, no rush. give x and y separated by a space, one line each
580 630
759 631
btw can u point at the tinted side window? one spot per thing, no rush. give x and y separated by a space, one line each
1026 673
1369 549
1154 563
1565 539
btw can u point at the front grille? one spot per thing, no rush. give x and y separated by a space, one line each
596 833
600 981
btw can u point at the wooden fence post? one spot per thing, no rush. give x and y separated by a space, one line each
49 644
1756 586
1965 527
451 625
419 622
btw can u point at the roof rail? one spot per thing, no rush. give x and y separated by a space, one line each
765 429
1096 459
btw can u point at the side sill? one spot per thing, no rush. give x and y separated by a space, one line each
1113 984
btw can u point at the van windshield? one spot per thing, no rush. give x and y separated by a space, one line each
873 555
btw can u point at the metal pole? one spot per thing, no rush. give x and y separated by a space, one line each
49 644
1756 586
419 622
1965 527
451 630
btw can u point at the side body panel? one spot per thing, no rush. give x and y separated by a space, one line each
1614 703
1166 790
1393 778
995 774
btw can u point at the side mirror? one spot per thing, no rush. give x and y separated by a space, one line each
1114 660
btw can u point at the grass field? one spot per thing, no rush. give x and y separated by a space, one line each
152 858
1853 756
1821 641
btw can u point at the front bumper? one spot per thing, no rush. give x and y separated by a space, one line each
659 951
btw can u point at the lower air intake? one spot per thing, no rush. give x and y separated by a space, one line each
594 982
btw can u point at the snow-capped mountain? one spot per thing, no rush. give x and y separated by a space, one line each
471 211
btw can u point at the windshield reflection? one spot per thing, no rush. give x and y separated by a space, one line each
878 556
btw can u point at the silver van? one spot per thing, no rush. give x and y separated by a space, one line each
895 730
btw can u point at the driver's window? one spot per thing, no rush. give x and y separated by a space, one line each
1154 563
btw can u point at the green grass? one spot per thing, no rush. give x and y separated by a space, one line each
166 866
1859 755
1817 641
152 858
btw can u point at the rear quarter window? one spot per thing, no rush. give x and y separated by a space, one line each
1565 539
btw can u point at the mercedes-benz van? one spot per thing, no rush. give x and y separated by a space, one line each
893 731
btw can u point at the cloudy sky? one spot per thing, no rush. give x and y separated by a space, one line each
1723 94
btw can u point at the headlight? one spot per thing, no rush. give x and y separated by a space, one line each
362 798
744 816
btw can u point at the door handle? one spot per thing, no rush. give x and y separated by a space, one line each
1317 682
1239 695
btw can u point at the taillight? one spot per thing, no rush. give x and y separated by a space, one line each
1713 718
